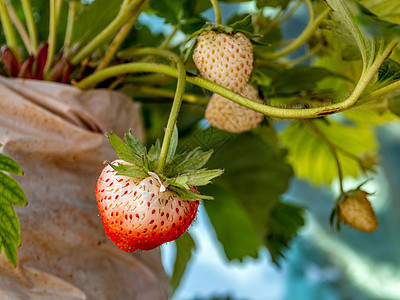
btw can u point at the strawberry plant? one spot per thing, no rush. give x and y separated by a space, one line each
268 108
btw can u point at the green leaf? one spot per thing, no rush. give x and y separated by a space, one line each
312 159
179 182
234 227
201 177
180 158
372 24
344 12
185 246
129 170
7 164
188 194
93 19
255 176
11 193
134 144
123 151
172 146
154 155
385 9
389 70
186 162
299 78
278 236
195 162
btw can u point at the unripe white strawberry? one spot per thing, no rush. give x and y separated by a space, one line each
226 59
230 116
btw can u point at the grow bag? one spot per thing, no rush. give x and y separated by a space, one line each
56 133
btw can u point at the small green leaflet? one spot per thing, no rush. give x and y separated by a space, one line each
154 154
189 194
197 178
134 144
123 151
201 177
11 193
195 162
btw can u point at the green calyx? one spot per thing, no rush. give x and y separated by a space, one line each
181 171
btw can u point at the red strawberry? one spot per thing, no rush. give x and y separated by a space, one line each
140 213
226 59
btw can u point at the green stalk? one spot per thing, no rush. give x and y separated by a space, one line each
176 105
70 23
11 39
122 17
153 92
20 27
30 22
55 6
303 37
277 112
217 11
118 40
314 129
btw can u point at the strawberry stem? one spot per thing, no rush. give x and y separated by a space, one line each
307 113
30 22
72 9
217 11
8 28
176 105
55 6
331 147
